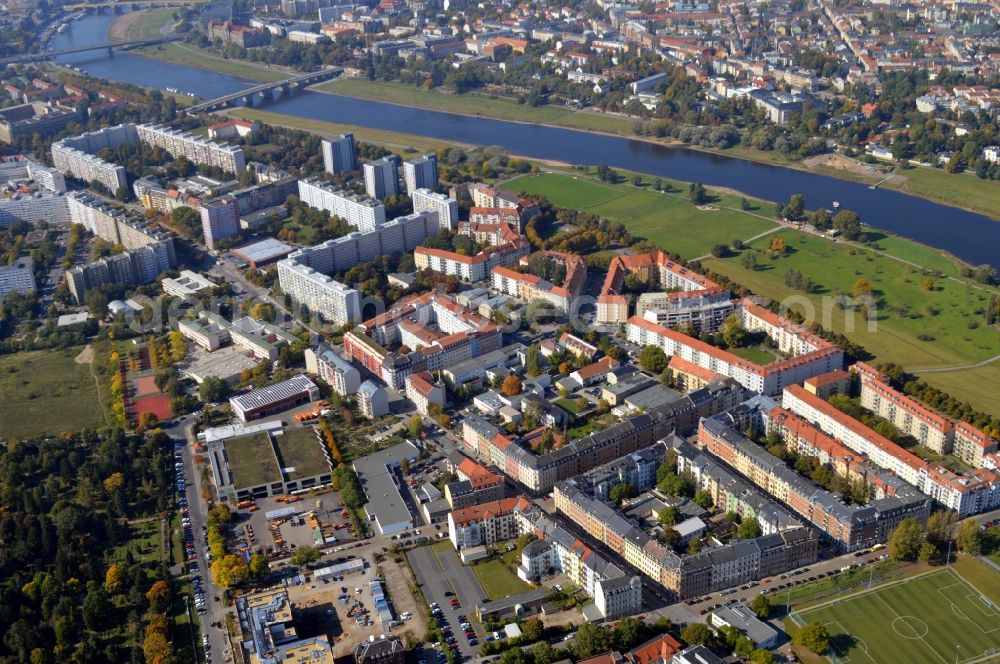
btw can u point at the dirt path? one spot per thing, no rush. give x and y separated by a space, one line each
86 356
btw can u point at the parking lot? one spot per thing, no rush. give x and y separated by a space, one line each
453 587
292 532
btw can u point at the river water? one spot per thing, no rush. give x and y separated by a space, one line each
972 237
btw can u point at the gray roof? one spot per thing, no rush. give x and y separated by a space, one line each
384 499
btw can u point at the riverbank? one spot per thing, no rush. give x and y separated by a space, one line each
938 328
964 191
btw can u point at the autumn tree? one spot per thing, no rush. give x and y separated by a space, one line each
862 287
968 537
158 597
229 571
905 540
113 581
813 637
511 385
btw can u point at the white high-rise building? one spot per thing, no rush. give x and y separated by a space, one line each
420 173
447 208
382 177
331 299
338 154
362 212
219 219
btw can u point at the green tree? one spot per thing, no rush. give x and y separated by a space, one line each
703 499
591 639
796 207
213 389
761 656
814 637
620 492
259 567
761 606
532 629
696 634
305 555
668 516
927 553
748 529
905 540
652 359
544 653
732 331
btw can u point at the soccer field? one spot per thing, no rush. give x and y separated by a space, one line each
938 618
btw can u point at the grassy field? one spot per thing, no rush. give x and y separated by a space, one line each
961 189
497 580
390 139
569 405
46 392
193 57
149 25
668 220
914 327
472 103
146 544
755 354
927 619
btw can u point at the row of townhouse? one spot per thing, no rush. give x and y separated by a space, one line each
615 593
471 268
688 297
966 494
850 527
687 576
529 287
540 472
940 434
304 274
362 212
768 379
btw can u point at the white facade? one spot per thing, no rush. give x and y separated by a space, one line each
362 212
338 154
447 209
333 369
382 177
333 300
18 277
420 173
219 219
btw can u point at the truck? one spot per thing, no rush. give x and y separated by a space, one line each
244 503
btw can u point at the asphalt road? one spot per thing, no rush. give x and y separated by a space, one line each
198 512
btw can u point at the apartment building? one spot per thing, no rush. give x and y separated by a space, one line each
77 156
196 149
687 576
475 485
540 472
373 400
219 219
382 177
966 494
442 332
471 268
420 173
446 208
131 268
849 526
32 208
362 212
424 392
34 118
815 355
323 361
486 524
16 168
303 275
331 299
529 287
339 154
690 298
18 277
937 432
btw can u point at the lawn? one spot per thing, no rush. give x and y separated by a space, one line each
194 57
669 221
146 544
392 139
46 392
475 103
991 544
961 189
497 580
924 620
251 460
755 354
148 27
914 327
569 405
